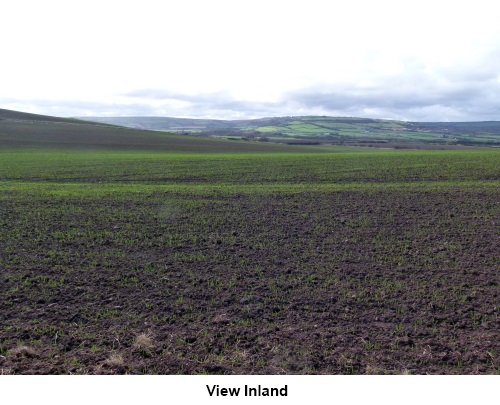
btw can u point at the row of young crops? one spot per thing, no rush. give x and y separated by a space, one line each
147 262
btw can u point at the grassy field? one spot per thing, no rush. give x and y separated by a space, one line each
209 259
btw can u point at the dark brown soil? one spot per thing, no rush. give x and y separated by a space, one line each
306 283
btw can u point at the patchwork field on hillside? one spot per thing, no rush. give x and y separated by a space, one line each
330 130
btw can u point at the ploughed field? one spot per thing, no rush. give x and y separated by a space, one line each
250 263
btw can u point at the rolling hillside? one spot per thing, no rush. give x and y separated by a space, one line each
322 129
23 130
18 129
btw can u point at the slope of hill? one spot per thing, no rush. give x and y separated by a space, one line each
17 116
23 130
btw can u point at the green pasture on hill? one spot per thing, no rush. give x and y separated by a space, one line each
338 129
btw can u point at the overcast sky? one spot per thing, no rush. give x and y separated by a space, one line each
411 60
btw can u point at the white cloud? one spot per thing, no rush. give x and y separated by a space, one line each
415 59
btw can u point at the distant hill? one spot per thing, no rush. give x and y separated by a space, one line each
323 129
167 123
19 129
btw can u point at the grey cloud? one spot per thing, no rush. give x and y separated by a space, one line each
379 98
215 101
76 108
441 96
160 94
461 100
217 104
458 93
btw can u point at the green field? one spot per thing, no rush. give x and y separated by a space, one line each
125 251
306 170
